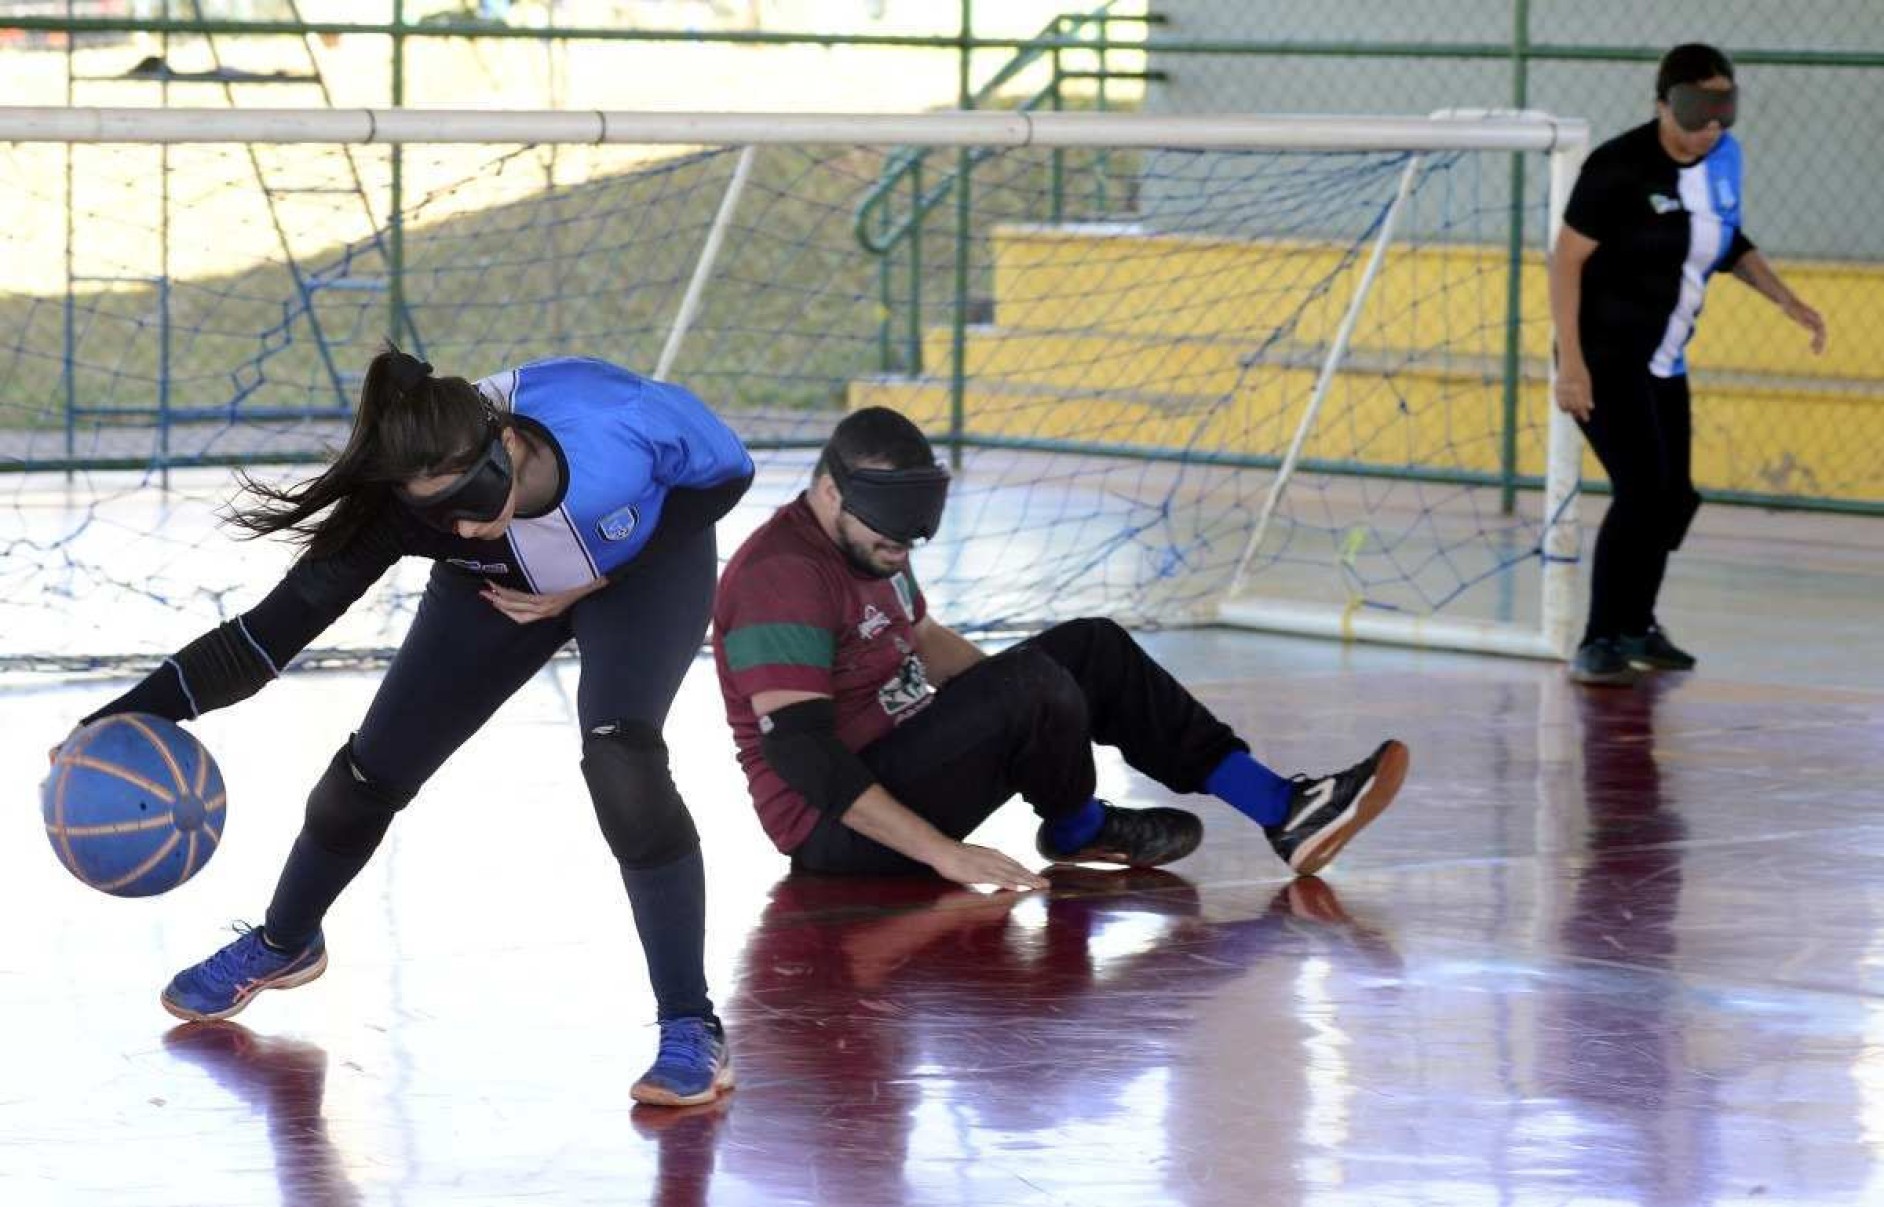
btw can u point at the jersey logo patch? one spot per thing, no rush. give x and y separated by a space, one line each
874 622
1661 203
619 524
477 567
899 582
908 689
1724 194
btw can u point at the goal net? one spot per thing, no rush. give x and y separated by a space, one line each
1289 372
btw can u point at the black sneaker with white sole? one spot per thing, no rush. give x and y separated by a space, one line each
1325 813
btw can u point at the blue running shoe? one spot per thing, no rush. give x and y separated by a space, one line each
223 984
692 1067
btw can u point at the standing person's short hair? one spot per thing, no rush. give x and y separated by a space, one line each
1690 63
878 436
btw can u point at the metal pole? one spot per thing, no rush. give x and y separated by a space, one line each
395 210
958 326
913 367
1514 270
1330 363
70 334
703 267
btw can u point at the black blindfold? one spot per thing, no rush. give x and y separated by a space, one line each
1694 106
904 505
478 494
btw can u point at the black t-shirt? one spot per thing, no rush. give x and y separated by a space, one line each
1661 229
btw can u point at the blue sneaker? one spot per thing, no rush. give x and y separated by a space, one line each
692 1067
223 984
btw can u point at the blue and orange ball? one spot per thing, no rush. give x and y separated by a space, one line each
134 805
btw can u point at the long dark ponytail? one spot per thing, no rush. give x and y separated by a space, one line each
408 424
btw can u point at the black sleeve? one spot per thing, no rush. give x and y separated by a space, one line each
1737 250
685 511
800 743
1598 204
238 658
318 591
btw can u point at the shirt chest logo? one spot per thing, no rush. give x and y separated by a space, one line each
618 525
1724 195
1662 203
874 622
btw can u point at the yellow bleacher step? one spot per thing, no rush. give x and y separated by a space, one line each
1429 300
1431 420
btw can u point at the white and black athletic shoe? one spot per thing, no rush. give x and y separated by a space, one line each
1325 813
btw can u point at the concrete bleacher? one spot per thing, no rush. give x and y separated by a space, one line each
1107 335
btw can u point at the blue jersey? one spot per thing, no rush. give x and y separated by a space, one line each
623 442
641 464
631 452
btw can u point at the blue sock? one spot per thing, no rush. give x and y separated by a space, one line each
1070 833
1250 788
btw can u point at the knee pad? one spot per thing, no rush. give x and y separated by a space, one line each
643 818
347 813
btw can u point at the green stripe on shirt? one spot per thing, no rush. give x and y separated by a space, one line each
779 645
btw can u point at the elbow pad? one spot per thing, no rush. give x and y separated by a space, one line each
220 667
223 666
800 743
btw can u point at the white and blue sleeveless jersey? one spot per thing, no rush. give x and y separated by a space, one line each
624 441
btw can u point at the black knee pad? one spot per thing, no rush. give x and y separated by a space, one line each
643 818
347 813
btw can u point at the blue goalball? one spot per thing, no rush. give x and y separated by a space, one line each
134 805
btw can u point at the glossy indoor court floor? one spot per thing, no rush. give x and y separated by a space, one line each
1621 947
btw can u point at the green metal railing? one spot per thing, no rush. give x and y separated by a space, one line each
1081 48
882 229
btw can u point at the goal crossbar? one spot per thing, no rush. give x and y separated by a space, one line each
1539 133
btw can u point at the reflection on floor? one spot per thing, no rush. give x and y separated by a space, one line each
1610 947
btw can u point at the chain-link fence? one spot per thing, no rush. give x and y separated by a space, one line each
1774 424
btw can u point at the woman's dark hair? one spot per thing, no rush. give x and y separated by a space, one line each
879 436
408 424
1690 63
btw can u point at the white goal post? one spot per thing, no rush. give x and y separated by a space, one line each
1540 627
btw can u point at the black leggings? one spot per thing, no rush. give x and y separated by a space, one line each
461 660
1641 430
1024 721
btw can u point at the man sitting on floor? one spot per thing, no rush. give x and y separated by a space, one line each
875 739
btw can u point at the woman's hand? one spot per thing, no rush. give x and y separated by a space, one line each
1573 389
52 756
525 608
1811 320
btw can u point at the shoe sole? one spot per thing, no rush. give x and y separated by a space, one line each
1073 859
1626 678
1389 773
653 1095
302 977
